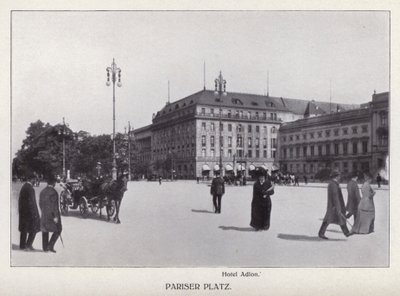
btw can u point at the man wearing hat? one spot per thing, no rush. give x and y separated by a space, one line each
51 218
217 190
29 219
261 203
335 212
353 196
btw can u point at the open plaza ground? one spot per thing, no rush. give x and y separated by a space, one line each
174 225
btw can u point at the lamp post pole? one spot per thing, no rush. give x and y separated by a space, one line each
114 71
220 90
63 133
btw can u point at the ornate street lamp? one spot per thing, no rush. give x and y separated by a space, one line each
220 90
113 71
63 132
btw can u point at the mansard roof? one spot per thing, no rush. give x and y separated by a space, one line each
253 101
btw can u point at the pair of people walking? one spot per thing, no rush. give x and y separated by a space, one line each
363 208
30 223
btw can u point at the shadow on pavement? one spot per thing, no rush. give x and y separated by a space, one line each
248 229
203 211
306 238
15 247
336 231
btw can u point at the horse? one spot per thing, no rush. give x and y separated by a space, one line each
114 191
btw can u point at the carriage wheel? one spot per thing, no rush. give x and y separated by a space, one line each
64 202
83 207
111 208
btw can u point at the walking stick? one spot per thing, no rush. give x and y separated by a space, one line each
62 241
346 220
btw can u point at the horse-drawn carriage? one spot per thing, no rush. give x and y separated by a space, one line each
86 195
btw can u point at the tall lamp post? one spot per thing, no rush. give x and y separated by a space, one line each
220 90
129 151
63 132
113 71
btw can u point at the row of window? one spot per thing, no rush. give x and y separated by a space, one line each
319 134
240 153
239 141
320 150
239 128
314 168
241 114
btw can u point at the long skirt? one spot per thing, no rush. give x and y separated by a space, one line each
364 223
261 214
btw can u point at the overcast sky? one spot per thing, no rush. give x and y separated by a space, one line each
59 61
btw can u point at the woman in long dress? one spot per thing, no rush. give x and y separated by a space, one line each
366 209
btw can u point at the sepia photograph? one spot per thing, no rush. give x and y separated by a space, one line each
200 138
211 150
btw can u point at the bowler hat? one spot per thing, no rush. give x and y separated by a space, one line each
335 173
50 178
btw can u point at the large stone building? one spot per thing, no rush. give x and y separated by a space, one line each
186 133
353 140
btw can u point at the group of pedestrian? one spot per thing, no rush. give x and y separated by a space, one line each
261 203
361 207
30 222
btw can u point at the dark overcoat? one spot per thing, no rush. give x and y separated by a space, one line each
353 197
48 202
217 186
29 219
261 204
335 211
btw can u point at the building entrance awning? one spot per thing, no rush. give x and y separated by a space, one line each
240 167
228 167
205 167
252 167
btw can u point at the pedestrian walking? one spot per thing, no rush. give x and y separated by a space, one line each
353 196
305 179
51 219
335 212
364 223
160 180
261 204
379 180
29 219
217 191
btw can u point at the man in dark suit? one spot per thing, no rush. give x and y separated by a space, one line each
29 219
51 219
217 190
335 212
353 196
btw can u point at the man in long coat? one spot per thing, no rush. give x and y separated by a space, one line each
51 218
335 212
261 204
29 219
217 190
353 196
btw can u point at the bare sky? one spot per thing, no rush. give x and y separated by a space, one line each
59 61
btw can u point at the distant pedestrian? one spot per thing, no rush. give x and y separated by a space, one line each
335 212
51 219
160 180
305 179
379 180
353 196
366 209
198 179
296 180
217 191
29 219
261 203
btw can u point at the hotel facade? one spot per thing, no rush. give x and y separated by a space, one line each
245 129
